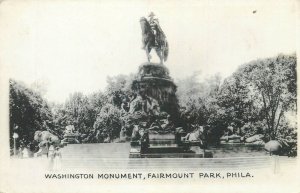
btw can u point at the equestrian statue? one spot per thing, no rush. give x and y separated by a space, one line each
154 37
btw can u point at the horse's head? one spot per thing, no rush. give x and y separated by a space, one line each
141 132
198 130
145 25
37 135
201 129
135 128
143 19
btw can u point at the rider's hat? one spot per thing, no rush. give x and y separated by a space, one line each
151 14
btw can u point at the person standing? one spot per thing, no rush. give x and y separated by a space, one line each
25 153
50 154
21 151
57 159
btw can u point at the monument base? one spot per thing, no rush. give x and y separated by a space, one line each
161 136
167 150
136 153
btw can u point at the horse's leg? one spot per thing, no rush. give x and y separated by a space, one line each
158 52
148 50
162 55
147 53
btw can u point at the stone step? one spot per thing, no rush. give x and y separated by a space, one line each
167 136
216 160
183 164
116 156
162 141
163 149
171 155
173 160
162 145
148 163
168 161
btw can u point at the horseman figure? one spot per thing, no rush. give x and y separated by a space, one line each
156 29
154 37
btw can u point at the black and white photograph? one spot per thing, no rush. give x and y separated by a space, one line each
148 96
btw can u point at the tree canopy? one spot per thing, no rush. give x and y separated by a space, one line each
28 113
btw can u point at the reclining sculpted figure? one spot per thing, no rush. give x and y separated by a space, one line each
199 134
45 136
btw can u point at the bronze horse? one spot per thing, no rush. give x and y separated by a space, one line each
162 49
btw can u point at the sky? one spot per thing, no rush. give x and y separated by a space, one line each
73 45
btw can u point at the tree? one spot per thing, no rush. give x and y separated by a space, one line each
79 112
28 111
235 102
119 89
109 122
96 101
198 98
59 118
273 82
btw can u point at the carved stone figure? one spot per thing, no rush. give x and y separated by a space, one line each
45 136
145 104
70 129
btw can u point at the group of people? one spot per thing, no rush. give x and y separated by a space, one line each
47 150
52 152
54 157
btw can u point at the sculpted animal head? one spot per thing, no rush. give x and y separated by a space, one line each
70 129
143 19
141 132
198 131
37 136
135 130
196 134
201 129
145 26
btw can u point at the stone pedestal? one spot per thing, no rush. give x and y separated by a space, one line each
153 81
70 138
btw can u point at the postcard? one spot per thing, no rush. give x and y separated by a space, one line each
149 96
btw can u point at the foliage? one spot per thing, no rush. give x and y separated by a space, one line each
198 99
29 112
272 82
79 110
119 89
109 122
92 115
